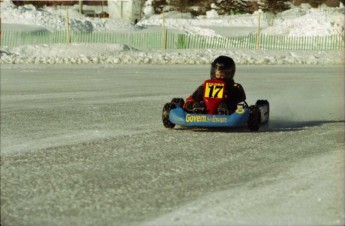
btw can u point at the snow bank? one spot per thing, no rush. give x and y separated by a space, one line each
308 22
122 54
293 22
54 19
322 21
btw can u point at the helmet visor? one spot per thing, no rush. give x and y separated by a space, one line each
221 73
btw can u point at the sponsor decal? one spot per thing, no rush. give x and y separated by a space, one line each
240 111
217 119
205 118
195 118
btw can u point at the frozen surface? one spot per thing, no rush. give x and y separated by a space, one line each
84 145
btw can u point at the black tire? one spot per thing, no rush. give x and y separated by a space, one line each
179 102
254 118
165 115
264 103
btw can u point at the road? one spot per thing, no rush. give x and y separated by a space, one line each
85 145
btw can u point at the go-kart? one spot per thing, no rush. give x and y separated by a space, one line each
253 116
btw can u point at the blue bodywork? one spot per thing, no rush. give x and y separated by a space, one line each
179 117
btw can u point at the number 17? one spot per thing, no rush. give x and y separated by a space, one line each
214 90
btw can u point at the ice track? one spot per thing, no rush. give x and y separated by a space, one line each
85 145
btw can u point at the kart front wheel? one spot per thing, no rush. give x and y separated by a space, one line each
165 115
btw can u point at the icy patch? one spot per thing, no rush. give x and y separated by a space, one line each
272 200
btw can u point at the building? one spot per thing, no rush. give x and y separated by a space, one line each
125 9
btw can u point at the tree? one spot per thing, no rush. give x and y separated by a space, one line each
276 6
233 6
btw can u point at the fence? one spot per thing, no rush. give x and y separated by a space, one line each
170 40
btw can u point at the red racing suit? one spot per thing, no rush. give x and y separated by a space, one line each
233 94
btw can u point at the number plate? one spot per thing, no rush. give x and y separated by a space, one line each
214 90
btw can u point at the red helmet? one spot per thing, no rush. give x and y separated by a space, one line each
224 68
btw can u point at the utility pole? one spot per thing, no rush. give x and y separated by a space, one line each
81 6
68 35
259 29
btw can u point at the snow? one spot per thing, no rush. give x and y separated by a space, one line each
322 21
122 54
319 22
82 141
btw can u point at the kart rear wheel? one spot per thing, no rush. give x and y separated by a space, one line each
179 102
254 118
264 108
165 115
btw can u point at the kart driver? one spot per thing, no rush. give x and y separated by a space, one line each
222 68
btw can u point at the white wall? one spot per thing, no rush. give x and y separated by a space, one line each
125 9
